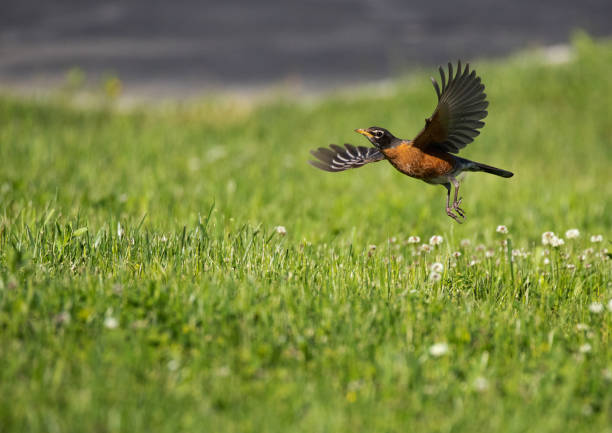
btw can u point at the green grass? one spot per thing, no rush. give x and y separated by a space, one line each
143 286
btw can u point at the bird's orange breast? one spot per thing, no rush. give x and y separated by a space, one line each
413 162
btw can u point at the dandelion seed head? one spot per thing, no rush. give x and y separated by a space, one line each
572 233
425 248
111 323
435 277
597 238
596 307
557 242
481 384
436 240
62 318
547 237
438 349
436 267
173 365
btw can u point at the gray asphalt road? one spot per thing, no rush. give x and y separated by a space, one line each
187 47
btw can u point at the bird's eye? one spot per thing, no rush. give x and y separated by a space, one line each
378 134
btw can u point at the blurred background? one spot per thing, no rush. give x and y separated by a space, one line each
185 49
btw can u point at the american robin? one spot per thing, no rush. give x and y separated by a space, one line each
429 156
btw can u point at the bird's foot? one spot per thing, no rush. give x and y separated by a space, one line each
449 212
456 207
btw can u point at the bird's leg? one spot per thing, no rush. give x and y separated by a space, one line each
449 209
456 202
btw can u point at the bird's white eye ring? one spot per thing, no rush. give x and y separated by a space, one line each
378 134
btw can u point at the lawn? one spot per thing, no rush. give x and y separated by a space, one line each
145 285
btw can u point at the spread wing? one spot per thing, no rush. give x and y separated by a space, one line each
457 118
338 158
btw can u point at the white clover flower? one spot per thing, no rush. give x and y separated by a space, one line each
546 261
436 267
557 242
502 229
589 251
111 323
480 247
371 247
436 240
457 254
281 230
425 248
438 349
489 253
570 266
596 307
435 277
414 240
465 243
472 263
596 238
572 233
582 327
547 237
585 348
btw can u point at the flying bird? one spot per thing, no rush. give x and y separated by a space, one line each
431 155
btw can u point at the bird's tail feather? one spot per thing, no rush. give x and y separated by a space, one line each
478 166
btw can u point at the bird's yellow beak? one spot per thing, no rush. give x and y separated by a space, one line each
364 132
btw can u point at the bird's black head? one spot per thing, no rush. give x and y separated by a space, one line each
379 137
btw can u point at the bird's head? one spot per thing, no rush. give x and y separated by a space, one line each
379 137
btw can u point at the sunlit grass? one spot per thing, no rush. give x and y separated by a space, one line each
186 270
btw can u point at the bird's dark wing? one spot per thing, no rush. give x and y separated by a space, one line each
457 118
338 158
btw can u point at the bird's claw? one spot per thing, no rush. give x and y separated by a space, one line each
458 209
449 212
